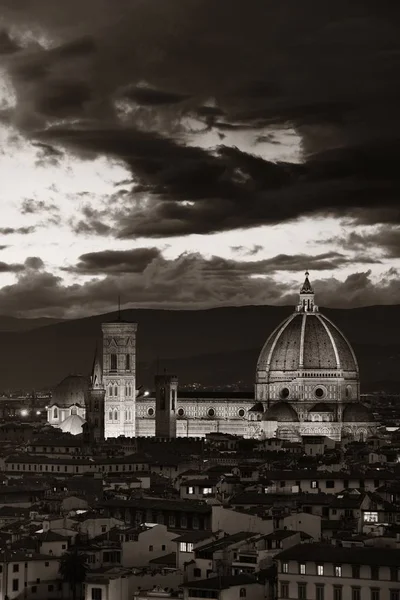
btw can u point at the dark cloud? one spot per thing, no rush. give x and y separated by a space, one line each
152 97
10 267
20 230
116 261
190 281
7 44
383 239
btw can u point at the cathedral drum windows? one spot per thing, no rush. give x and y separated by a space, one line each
211 412
181 412
241 413
150 412
113 362
284 393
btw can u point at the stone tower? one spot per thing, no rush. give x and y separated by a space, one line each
166 398
95 405
119 378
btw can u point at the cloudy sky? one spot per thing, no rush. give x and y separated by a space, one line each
197 153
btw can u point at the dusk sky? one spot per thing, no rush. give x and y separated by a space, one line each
198 153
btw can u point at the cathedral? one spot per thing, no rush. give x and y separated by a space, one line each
306 384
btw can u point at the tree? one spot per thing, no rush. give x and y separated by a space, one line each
73 569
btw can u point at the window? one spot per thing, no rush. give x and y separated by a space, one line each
241 412
110 415
211 412
197 572
320 570
314 485
115 415
207 490
162 398
285 567
34 589
181 412
242 593
394 574
338 570
190 490
46 564
370 516
15 585
55 413
282 483
330 484
150 548
163 547
302 568
284 590
103 528
186 546
355 571
97 593
319 591
127 362
394 594
115 390
15 568
355 593
337 592
375 573
375 594
302 591
113 362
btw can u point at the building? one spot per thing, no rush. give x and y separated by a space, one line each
306 384
326 572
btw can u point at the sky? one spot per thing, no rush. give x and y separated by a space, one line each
194 154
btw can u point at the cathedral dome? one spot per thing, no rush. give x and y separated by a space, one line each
281 412
307 340
72 424
357 413
71 390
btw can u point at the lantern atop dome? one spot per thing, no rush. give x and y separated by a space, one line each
306 300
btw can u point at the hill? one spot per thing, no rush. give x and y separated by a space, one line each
217 346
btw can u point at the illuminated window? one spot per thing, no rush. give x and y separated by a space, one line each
285 567
207 490
320 570
314 485
370 517
338 571
190 490
302 568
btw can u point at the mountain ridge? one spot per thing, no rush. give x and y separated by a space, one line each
214 346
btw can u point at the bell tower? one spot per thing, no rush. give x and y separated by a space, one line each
119 378
166 398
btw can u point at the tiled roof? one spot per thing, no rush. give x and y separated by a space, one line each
335 554
220 583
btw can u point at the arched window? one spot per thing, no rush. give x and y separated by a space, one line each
113 362
115 390
128 362
115 415
55 413
110 415
126 415
242 593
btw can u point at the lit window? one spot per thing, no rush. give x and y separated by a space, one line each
190 490
285 567
302 569
314 485
370 517
320 570
207 490
338 571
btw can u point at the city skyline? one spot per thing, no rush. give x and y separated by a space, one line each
194 155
